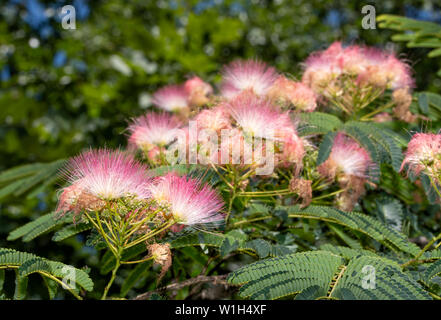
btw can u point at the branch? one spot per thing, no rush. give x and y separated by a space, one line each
179 285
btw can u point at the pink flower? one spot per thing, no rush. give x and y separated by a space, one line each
257 117
198 91
347 158
424 153
385 69
370 65
323 67
215 119
189 200
106 175
293 151
247 75
171 98
153 130
286 91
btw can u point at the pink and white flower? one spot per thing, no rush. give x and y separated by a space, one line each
171 98
247 75
153 130
215 119
424 153
100 175
257 117
198 91
371 66
347 158
285 91
293 151
189 200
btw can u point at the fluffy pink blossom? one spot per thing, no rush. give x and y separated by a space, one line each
287 91
106 175
383 68
257 117
247 75
171 98
293 151
153 130
370 65
346 157
197 91
322 67
215 119
423 153
189 200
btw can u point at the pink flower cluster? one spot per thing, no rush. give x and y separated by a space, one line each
190 201
250 124
255 76
424 155
98 178
180 98
346 158
368 65
153 132
349 164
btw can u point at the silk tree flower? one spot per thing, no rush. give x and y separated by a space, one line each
349 164
403 99
370 66
98 176
424 154
286 92
257 117
384 69
153 130
322 67
189 200
215 119
247 75
346 157
173 98
198 91
293 151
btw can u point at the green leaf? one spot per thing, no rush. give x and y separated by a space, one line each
2 279
262 247
432 270
319 273
134 276
21 286
423 102
325 147
359 222
35 228
228 245
52 287
70 230
26 263
311 293
313 123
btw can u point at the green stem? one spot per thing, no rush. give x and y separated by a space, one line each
149 235
368 116
426 247
109 284
328 195
137 261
